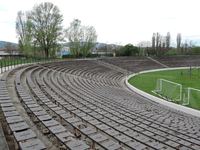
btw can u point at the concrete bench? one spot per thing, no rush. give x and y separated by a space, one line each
77 145
14 119
111 145
32 144
24 135
18 126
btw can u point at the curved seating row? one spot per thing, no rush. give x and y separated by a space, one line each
84 105
49 126
91 92
24 137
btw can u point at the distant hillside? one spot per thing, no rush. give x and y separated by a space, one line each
196 42
4 43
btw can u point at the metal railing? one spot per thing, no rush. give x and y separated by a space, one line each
10 63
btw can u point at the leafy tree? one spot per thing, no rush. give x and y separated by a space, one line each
40 28
88 39
128 50
81 38
46 22
73 33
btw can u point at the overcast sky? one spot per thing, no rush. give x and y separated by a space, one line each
116 21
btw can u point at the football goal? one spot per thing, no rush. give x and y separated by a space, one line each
190 95
168 90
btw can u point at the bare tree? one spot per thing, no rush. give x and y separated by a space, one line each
168 40
163 42
154 42
158 43
178 41
186 46
23 29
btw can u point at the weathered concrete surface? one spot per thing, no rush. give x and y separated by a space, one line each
3 143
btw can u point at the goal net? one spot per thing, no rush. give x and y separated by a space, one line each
191 95
168 90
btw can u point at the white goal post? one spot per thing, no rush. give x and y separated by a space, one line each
190 95
169 90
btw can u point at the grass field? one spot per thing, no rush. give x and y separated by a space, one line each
147 81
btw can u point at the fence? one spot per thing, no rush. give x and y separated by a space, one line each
10 63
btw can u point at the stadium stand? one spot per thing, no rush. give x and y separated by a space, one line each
180 61
83 104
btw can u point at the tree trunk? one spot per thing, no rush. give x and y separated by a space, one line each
46 52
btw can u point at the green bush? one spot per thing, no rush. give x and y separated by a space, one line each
128 50
171 52
196 50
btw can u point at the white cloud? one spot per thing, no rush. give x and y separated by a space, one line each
116 21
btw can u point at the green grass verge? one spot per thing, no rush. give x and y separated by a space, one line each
11 62
147 81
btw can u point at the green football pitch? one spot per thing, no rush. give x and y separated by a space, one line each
186 77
